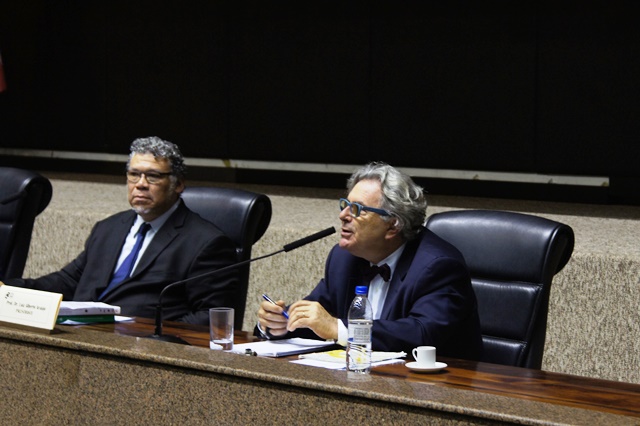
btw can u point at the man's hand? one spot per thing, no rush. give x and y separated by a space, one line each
306 314
271 319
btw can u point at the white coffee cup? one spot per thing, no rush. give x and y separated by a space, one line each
425 356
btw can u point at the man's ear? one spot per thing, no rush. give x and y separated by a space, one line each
179 186
393 228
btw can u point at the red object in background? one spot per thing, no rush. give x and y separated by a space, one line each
3 83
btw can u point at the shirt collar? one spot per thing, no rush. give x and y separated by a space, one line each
157 223
392 259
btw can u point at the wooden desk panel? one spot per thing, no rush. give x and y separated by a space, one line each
99 365
512 382
601 395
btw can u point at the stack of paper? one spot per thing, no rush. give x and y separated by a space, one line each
284 347
337 359
340 355
86 312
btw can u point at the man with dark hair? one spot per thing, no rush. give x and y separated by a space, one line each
131 256
423 294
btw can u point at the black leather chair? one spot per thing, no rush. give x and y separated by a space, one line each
23 196
243 216
512 259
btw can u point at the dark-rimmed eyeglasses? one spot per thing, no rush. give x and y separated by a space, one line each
356 208
152 177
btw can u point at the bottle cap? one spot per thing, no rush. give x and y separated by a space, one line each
362 289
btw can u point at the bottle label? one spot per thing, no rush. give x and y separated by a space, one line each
360 333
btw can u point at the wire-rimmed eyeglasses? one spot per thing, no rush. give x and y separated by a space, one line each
152 177
356 208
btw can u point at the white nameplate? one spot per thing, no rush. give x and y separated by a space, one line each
31 308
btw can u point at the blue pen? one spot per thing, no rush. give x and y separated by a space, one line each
270 300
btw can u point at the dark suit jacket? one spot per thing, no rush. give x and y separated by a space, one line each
430 299
185 246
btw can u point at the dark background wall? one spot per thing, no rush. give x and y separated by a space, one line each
548 87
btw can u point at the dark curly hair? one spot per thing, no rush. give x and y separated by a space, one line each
160 148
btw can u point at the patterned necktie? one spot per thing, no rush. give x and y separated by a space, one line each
371 272
126 268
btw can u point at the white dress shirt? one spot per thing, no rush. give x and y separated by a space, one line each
377 295
133 232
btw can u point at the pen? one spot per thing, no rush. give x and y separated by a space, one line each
268 299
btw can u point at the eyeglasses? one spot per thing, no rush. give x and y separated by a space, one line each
356 208
152 177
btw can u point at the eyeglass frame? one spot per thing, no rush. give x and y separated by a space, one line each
156 177
360 208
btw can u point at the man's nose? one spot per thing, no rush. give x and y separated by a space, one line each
143 182
345 215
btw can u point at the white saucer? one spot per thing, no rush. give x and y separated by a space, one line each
413 366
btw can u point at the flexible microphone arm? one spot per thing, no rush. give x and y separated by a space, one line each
286 248
306 240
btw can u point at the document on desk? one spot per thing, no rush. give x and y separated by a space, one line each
336 359
285 347
92 319
77 313
72 308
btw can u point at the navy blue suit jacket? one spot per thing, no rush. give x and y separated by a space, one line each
186 246
430 299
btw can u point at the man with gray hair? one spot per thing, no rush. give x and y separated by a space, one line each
422 294
131 256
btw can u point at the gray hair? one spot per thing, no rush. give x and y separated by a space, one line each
400 196
160 148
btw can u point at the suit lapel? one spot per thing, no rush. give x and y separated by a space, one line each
110 246
115 238
400 273
354 278
169 231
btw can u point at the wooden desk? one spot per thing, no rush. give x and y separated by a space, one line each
110 373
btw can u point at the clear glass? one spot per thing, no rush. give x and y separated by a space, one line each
221 328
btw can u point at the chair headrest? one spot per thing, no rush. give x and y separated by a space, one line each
522 244
231 210
16 184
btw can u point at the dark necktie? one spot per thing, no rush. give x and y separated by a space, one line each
371 272
126 268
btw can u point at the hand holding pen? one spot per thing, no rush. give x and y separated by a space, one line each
270 300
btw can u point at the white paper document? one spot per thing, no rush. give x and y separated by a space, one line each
340 366
340 356
87 308
336 359
285 347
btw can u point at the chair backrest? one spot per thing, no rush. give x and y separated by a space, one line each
512 258
243 216
23 196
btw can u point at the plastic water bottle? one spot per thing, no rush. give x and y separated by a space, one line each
360 323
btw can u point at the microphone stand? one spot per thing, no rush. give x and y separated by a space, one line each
157 335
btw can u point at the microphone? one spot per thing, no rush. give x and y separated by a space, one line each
306 240
286 248
14 197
